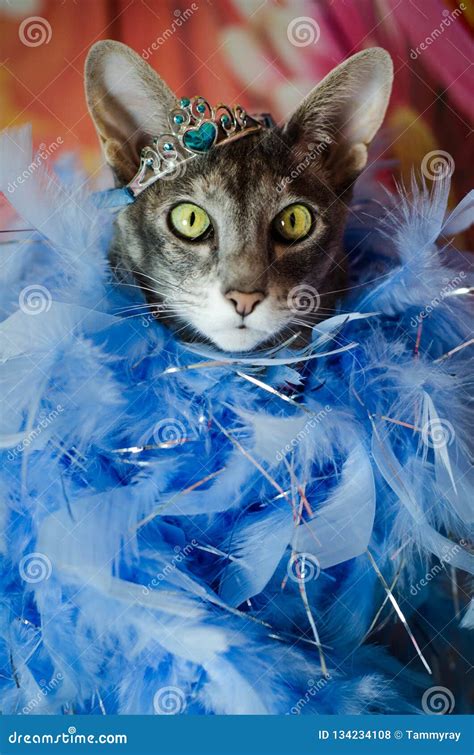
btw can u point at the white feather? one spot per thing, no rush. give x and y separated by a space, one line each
342 526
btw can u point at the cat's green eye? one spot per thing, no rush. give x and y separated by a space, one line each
293 223
189 220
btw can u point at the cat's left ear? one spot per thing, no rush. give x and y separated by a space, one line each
344 112
128 101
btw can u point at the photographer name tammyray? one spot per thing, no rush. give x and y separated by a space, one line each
377 734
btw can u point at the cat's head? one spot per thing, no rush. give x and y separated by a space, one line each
242 244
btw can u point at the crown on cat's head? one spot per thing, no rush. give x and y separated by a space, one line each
196 127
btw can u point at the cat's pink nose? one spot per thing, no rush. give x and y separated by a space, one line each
245 303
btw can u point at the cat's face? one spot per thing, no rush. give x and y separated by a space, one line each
263 261
243 245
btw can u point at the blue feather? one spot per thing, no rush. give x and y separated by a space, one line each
131 564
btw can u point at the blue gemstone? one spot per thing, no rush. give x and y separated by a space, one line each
200 139
178 119
225 119
201 108
167 146
184 101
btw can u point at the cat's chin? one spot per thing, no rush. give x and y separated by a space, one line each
238 339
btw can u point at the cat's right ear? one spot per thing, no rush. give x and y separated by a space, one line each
128 101
343 113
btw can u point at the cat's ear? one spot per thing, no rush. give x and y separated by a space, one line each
128 101
344 112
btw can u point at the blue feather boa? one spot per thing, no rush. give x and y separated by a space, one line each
188 531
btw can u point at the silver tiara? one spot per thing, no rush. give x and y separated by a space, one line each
196 127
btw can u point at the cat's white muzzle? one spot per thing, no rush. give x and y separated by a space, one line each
217 320
237 339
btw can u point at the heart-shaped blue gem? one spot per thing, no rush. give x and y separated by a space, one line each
200 139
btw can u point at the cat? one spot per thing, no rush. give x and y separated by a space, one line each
267 211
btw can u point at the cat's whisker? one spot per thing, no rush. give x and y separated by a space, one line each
168 315
158 304
181 329
140 288
165 280
135 306
152 308
302 324
357 285
145 315
155 291
157 309
145 304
